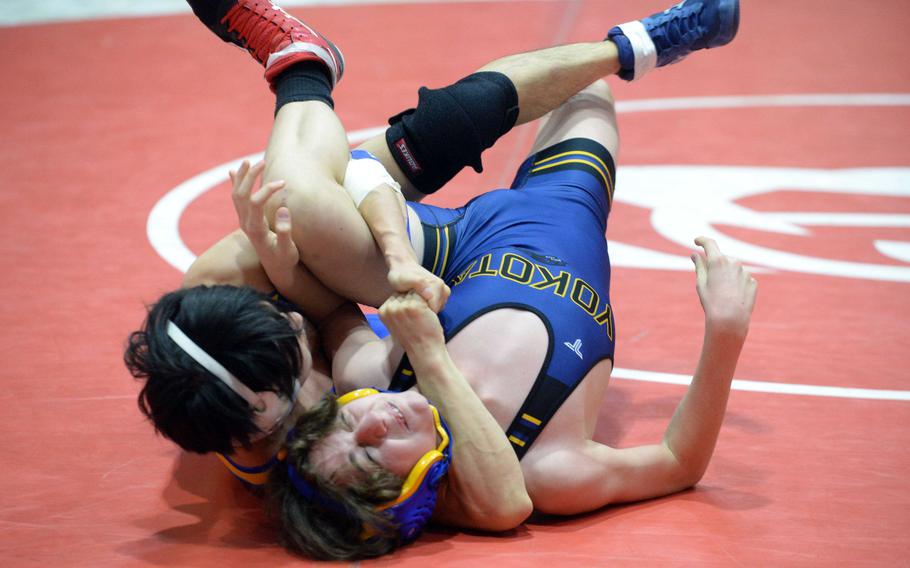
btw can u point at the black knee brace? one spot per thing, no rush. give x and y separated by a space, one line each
451 127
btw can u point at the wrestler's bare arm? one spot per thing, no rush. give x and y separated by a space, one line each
485 486
360 359
384 211
592 475
727 292
231 261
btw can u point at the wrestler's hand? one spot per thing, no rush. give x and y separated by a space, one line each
408 275
726 289
277 251
412 324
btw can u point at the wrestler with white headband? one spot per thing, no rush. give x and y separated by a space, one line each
270 409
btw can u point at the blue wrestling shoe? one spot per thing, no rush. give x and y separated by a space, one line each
671 35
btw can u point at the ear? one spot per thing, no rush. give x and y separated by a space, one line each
261 405
296 319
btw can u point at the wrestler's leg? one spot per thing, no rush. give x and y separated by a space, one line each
308 149
590 114
543 80
579 136
477 110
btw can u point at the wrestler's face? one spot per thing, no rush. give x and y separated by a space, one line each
298 324
306 366
391 430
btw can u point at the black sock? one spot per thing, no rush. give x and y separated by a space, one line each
307 81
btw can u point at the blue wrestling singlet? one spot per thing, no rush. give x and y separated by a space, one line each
540 247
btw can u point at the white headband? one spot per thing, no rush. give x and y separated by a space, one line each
213 366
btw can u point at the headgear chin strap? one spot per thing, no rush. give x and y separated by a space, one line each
413 507
270 409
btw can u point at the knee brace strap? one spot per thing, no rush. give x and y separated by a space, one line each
451 127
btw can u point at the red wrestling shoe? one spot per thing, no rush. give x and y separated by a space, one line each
273 37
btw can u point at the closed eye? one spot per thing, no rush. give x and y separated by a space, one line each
370 457
344 422
365 465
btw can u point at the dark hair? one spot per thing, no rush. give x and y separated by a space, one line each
237 327
309 529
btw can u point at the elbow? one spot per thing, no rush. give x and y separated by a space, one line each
686 471
689 475
504 516
687 480
518 511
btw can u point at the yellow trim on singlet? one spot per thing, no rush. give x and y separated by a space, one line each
445 259
531 419
438 241
515 440
582 152
252 478
587 163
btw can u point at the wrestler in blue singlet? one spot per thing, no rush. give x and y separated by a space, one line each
540 247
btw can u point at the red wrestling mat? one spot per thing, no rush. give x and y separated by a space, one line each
102 119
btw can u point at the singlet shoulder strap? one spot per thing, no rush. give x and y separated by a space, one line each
542 402
545 398
404 378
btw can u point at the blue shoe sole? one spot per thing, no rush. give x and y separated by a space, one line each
728 13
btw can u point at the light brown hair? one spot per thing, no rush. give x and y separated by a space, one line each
309 529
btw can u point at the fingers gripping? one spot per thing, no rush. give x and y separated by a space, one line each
396 310
410 276
412 323
436 294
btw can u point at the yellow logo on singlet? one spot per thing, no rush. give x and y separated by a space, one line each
519 269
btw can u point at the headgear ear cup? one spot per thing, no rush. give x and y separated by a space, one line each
414 507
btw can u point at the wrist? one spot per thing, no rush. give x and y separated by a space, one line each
733 328
397 257
433 363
